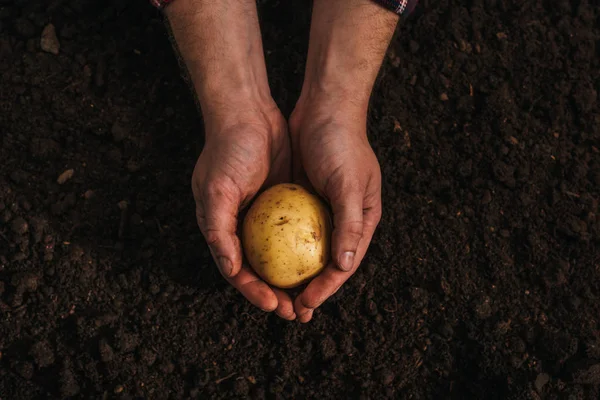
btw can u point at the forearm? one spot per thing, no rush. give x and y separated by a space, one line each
348 41
221 46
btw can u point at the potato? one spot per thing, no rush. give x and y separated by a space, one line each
286 235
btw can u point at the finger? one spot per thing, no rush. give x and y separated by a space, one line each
285 307
303 313
217 219
331 279
255 290
347 228
306 317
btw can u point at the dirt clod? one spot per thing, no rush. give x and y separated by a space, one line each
49 41
19 226
65 176
42 354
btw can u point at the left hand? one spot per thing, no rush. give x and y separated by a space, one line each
332 154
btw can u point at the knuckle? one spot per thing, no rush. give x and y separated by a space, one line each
212 236
353 228
311 303
215 189
343 188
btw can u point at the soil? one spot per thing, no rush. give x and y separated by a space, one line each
483 280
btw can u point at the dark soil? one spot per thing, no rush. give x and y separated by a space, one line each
483 280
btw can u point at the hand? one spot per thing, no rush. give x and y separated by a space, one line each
246 146
348 40
240 157
332 154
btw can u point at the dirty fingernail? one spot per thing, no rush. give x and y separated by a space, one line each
347 261
225 266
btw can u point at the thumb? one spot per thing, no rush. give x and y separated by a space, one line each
347 228
217 213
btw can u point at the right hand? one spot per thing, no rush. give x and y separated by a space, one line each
241 155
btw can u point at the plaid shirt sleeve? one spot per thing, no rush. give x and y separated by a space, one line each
400 7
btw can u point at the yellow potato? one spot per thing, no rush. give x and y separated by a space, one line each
286 235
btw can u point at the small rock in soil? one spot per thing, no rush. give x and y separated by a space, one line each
19 226
65 176
24 28
541 380
49 41
42 354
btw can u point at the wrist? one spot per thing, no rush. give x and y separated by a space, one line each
220 46
255 118
348 41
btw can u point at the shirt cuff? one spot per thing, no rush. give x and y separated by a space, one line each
400 7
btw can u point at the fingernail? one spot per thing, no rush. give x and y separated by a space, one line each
225 266
347 261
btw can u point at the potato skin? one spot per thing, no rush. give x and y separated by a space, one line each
286 235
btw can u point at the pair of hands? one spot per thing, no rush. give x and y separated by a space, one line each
249 145
324 148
